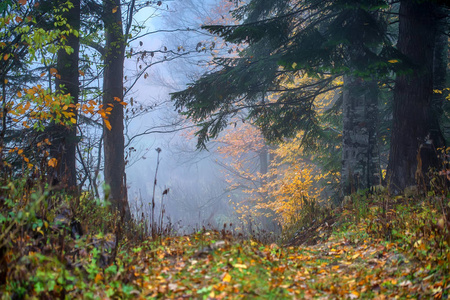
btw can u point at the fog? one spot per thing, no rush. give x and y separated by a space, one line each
194 187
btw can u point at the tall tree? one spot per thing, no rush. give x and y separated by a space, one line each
114 171
64 138
360 120
360 101
416 133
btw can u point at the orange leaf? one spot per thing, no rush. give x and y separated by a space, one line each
108 125
114 10
23 2
19 94
19 19
53 71
52 162
6 57
117 99
98 277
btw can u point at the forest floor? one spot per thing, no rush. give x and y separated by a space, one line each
375 250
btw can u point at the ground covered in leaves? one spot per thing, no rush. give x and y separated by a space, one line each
378 250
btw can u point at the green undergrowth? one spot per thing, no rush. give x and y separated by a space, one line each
376 247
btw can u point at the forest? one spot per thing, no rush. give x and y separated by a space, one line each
224 149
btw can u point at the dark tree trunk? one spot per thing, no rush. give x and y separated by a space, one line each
359 144
64 139
416 133
440 68
112 91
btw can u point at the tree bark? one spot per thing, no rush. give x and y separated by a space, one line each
416 133
359 144
64 139
114 143
440 66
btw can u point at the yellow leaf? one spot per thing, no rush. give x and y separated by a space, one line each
73 120
114 10
240 266
6 81
226 277
393 61
19 94
52 162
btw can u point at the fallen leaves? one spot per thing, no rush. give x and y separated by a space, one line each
350 264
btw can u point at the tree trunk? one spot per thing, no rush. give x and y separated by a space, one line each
416 133
440 68
64 139
113 94
359 144
264 163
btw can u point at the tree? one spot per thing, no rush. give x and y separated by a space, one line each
416 133
28 48
64 138
360 168
284 42
113 98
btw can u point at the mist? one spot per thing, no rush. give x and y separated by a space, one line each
196 194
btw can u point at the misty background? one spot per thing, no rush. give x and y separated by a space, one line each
197 194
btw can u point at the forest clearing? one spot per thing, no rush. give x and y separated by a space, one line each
224 149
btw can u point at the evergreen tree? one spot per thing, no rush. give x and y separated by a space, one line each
287 40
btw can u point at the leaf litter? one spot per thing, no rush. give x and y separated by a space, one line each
350 260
